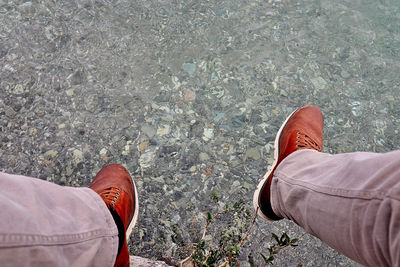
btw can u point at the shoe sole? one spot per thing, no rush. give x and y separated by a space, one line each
135 216
265 178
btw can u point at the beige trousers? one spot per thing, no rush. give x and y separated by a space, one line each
350 201
44 224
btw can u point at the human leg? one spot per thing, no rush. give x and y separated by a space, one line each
44 224
350 201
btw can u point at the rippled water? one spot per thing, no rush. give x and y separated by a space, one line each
189 96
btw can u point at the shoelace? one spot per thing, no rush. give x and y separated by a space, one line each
111 194
304 141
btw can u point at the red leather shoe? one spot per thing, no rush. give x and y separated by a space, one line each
116 187
301 130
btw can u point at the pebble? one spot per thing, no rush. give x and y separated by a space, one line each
274 85
9 111
32 131
208 133
218 116
127 149
189 68
148 130
319 83
193 169
164 130
18 89
344 74
69 92
146 159
51 154
189 95
103 152
77 156
175 81
236 183
253 153
143 146
356 110
204 156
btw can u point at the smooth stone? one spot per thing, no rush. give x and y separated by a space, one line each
163 130
148 130
204 156
190 68
51 154
208 133
319 83
344 74
253 153
77 156
146 159
103 152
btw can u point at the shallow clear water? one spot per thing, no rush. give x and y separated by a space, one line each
188 95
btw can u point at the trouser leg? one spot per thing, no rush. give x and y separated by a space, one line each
350 201
44 224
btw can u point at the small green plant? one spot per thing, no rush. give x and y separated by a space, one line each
222 248
281 243
226 252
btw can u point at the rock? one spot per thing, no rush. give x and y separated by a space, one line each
143 146
189 68
274 85
77 156
167 117
176 82
357 108
87 155
166 109
192 169
50 154
103 152
148 130
127 148
344 74
69 92
236 183
219 116
9 111
78 77
146 159
319 83
164 130
189 95
18 89
227 148
136 261
217 91
238 121
208 133
284 93
32 131
204 156
253 153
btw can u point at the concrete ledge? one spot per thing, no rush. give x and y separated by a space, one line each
136 261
